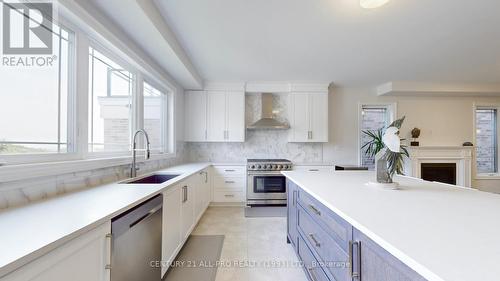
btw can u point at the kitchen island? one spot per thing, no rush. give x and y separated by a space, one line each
424 231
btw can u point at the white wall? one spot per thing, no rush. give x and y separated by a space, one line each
442 120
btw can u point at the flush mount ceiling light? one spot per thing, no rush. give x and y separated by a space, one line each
372 4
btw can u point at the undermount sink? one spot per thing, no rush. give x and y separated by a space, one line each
152 179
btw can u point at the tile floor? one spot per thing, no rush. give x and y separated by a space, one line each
258 242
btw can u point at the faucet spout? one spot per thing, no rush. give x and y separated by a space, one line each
147 155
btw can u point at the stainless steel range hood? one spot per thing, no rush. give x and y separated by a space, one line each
268 121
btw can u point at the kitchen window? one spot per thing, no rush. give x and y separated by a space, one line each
372 118
111 89
37 104
486 131
155 117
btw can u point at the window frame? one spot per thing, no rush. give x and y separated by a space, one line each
477 106
72 135
40 165
94 44
391 110
165 113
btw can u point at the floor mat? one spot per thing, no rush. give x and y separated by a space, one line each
197 261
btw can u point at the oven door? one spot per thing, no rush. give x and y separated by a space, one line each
266 186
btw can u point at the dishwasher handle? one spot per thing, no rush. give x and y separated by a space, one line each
147 215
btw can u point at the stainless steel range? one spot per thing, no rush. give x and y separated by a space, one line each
266 186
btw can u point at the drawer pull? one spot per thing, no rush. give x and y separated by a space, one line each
229 170
354 274
228 195
314 170
229 181
316 211
310 269
316 242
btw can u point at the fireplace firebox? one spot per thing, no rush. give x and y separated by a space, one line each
440 172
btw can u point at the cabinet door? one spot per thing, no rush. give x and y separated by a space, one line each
377 264
216 126
207 188
195 110
187 209
199 193
81 259
292 213
319 117
299 115
235 117
171 225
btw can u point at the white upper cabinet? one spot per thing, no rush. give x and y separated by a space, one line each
308 114
214 116
235 116
195 116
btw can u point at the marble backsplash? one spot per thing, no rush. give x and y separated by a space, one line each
259 143
17 193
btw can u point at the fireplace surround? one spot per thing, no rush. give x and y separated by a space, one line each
436 163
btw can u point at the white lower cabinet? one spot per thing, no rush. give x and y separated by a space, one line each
313 168
229 184
187 208
171 226
202 194
81 259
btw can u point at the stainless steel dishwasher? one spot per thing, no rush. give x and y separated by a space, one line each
136 245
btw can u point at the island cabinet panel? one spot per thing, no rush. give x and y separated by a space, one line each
311 266
292 190
339 229
325 249
332 249
376 264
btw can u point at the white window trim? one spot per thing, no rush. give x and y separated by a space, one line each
485 176
18 167
392 109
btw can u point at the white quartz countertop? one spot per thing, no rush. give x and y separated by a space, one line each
444 233
30 231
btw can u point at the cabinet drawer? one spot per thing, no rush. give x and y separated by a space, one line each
228 171
229 183
313 168
229 196
311 265
335 226
324 247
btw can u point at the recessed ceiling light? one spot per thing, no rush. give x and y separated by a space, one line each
372 4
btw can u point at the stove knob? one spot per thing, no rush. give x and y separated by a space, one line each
257 166
285 167
279 167
274 167
268 167
252 167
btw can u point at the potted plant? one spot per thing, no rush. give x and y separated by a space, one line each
385 145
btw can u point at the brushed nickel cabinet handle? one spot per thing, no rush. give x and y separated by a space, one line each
109 240
229 170
316 211
229 181
311 273
354 274
313 238
228 195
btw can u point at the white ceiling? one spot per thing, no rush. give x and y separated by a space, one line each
336 41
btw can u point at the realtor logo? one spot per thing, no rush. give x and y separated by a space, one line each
27 28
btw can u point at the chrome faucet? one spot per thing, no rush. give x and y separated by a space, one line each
133 169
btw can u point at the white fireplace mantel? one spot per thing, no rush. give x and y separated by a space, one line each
460 155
